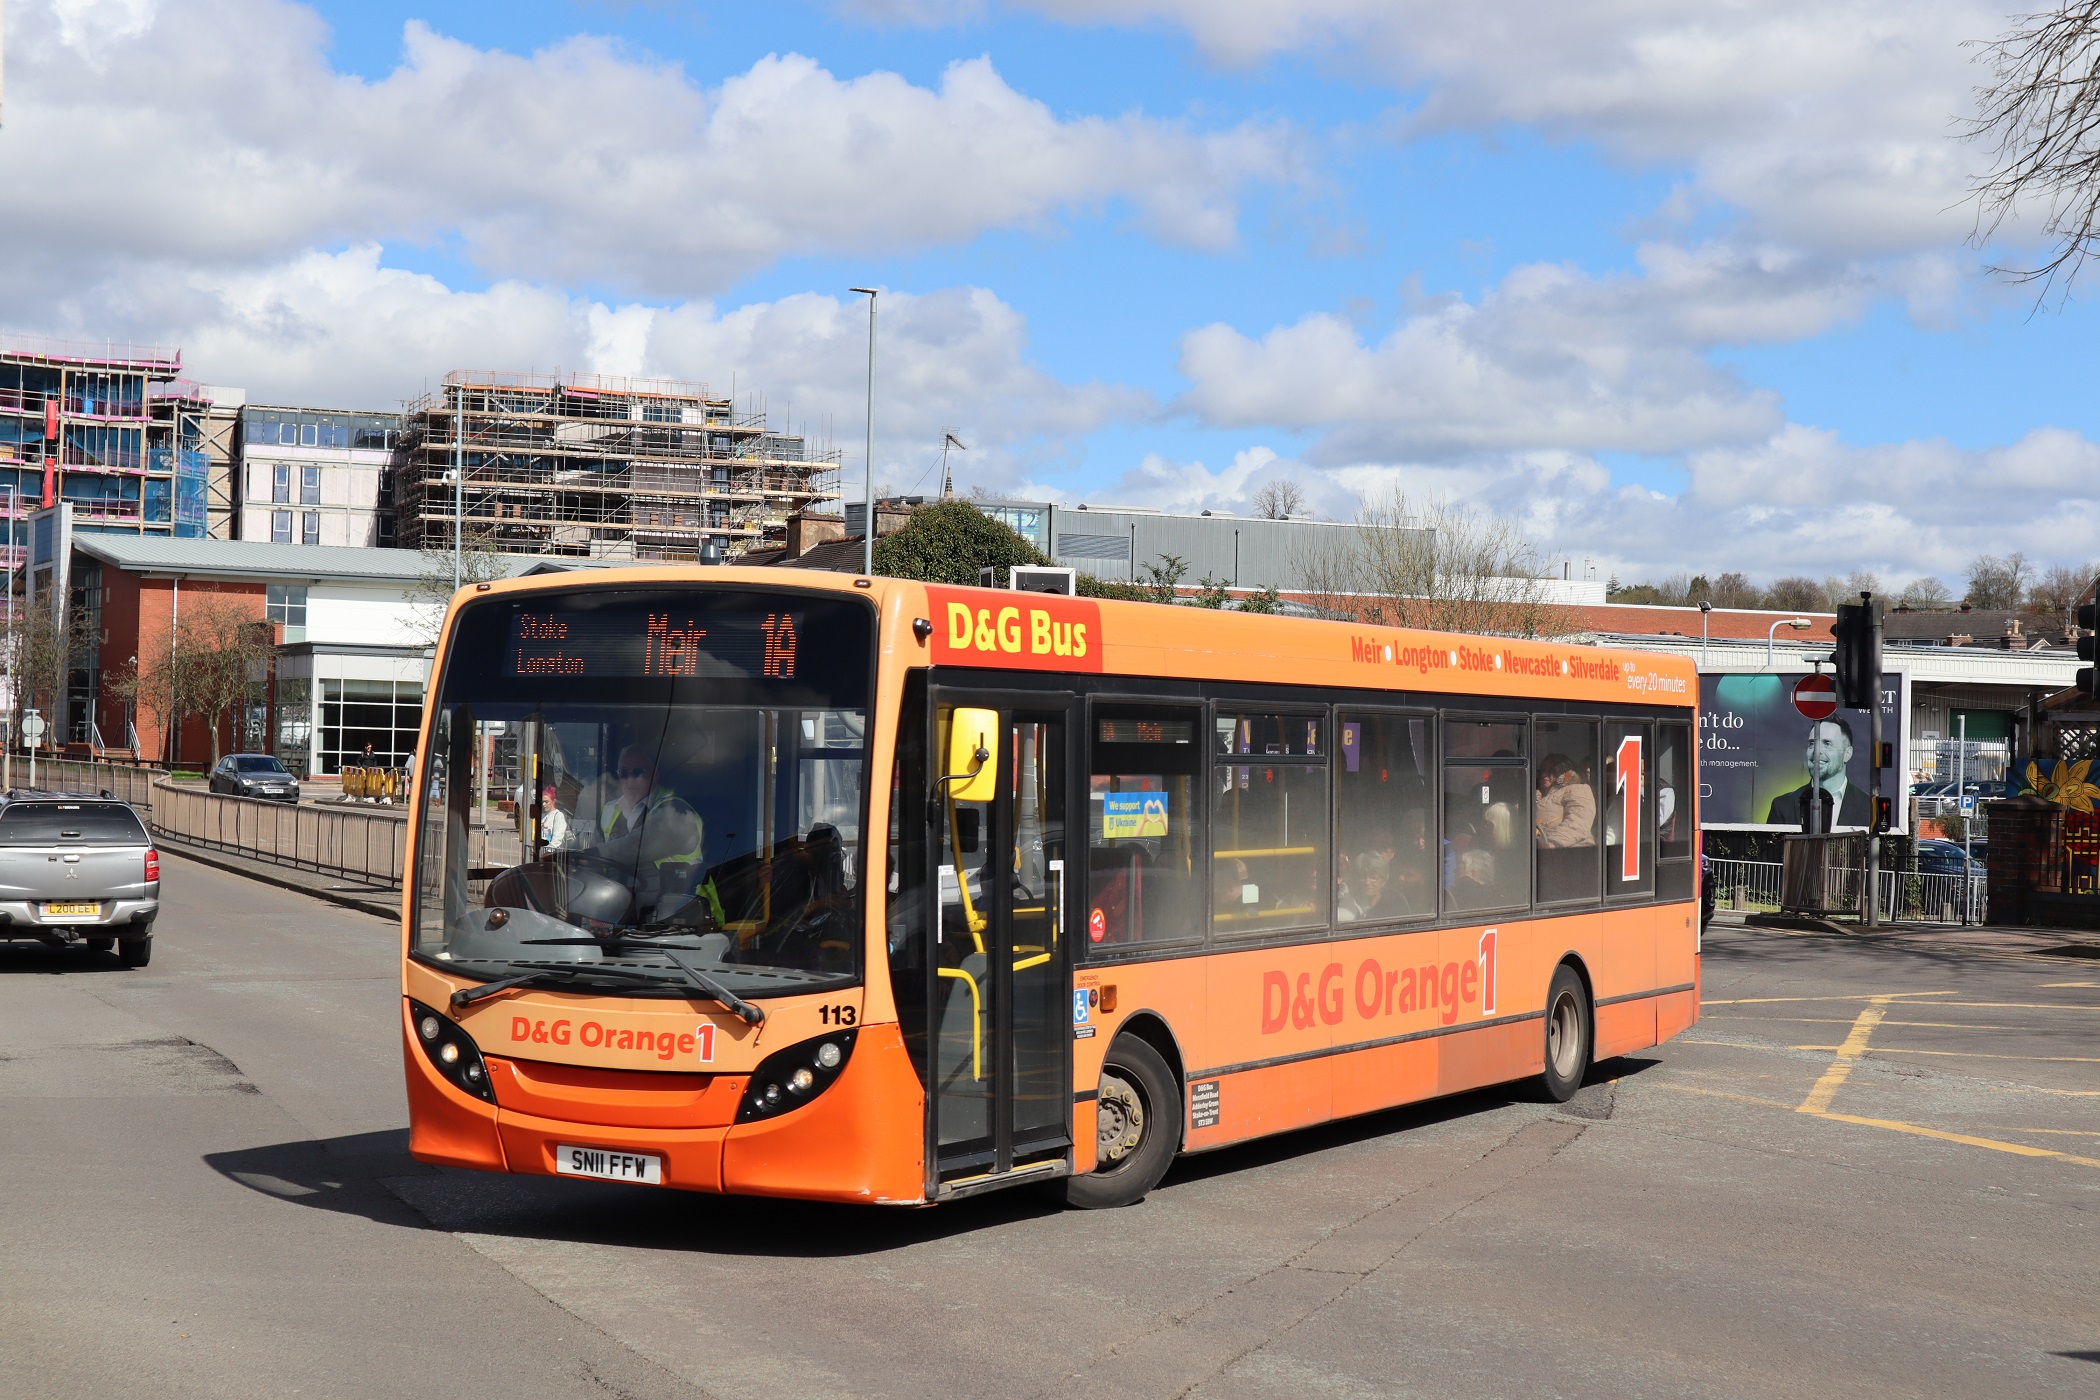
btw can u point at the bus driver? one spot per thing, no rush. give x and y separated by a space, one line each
649 831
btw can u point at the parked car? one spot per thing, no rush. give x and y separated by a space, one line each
78 870
255 775
1939 857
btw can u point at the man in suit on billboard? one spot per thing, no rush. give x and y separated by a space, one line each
1829 750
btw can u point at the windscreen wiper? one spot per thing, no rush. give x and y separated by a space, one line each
467 996
752 1015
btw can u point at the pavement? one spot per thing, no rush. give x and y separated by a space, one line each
1873 1168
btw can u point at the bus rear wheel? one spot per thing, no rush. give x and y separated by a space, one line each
1569 1035
1138 1117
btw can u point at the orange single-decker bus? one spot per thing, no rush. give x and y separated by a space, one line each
779 883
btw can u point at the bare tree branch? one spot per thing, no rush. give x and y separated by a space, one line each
1436 565
2040 117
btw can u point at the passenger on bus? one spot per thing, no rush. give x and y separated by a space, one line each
1364 896
1567 808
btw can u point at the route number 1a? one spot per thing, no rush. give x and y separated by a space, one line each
1628 788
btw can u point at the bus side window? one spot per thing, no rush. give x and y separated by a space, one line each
1385 854
1674 811
1567 818
1144 853
1487 815
1627 795
1268 825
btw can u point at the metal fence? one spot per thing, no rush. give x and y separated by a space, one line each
357 841
1746 884
1907 896
121 780
365 842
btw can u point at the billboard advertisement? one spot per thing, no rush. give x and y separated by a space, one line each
1757 752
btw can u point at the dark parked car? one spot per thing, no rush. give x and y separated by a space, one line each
254 775
77 870
1937 857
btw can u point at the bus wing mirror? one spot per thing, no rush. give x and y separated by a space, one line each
971 771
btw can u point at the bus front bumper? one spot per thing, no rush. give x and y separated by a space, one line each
859 1141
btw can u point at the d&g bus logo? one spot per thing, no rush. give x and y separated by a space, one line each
1377 992
1033 632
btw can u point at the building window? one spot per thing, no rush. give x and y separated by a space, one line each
280 527
310 435
309 486
384 714
310 528
287 434
285 604
281 483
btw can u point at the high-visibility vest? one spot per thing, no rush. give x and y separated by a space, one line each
611 813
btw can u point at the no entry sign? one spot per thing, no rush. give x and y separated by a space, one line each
1816 696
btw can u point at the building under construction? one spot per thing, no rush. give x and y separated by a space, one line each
116 432
586 466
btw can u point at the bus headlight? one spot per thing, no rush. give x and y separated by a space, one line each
452 1052
787 1079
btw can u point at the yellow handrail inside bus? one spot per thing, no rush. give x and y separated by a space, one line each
1266 851
976 1019
972 920
1262 914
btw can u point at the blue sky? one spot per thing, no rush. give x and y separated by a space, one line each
1678 290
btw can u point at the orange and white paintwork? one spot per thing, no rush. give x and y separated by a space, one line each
1275 1037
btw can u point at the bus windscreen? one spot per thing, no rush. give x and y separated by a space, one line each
620 782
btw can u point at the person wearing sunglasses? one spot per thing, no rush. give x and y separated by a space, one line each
649 830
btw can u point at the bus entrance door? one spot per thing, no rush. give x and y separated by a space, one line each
1001 1009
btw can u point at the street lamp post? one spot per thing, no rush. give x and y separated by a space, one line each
1797 623
1704 610
867 523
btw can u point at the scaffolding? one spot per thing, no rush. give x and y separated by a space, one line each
119 431
595 467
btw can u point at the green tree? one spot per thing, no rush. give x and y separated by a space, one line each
1266 600
1210 593
1163 579
949 541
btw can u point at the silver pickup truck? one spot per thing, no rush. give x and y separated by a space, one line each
78 870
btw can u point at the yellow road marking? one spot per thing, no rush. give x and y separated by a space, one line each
1964 1055
2047 985
2052 1132
1840 1069
1761 1001
1841 1021
2018 1149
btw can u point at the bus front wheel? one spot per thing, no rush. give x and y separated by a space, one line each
1569 1035
1138 1113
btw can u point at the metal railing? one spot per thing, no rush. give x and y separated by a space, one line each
360 842
121 780
369 843
1907 896
1746 884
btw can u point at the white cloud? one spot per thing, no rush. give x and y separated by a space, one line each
1549 360
1827 121
1800 502
343 329
585 162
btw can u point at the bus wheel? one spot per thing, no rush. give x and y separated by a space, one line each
1569 1035
1139 1117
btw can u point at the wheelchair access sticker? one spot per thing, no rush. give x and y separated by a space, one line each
1079 1007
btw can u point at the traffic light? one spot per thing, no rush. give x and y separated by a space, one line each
1858 633
2089 619
1884 815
